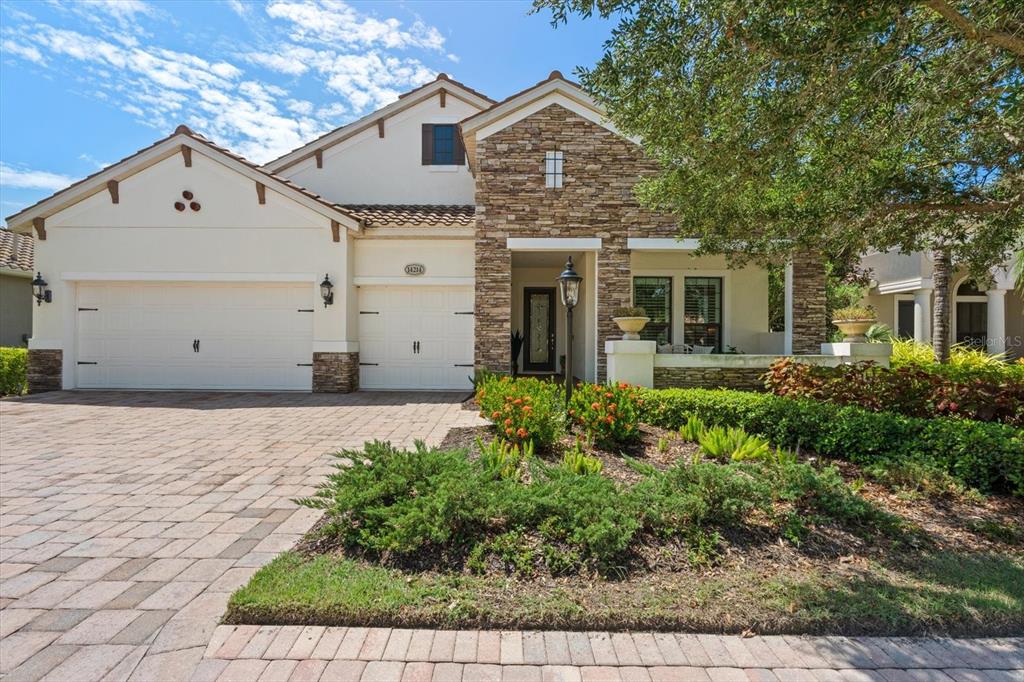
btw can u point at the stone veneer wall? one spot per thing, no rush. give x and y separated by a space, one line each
45 370
596 200
741 378
809 323
335 372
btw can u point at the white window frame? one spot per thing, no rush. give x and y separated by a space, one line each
554 169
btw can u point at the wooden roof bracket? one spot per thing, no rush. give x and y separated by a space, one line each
442 98
40 225
319 158
186 153
335 230
380 127
112 188
261 193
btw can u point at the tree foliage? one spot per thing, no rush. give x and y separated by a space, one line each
791 124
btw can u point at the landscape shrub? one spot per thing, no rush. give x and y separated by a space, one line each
913 390
606 413
523 409
986 456
965 362
13 371
429 502
733 443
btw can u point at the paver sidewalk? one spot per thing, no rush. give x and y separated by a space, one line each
250 652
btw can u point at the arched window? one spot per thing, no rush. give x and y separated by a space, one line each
971 314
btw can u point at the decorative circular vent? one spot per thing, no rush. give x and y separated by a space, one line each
188 196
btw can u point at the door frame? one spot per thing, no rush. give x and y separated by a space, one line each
549 366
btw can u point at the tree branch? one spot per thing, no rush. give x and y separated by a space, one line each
1007 41
975 207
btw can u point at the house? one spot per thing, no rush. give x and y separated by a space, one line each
987 315
397 252
15 288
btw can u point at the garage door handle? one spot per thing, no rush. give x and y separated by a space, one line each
195 346
87 363
303 364
458 365
369 364
465 313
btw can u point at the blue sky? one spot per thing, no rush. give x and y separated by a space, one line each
86 83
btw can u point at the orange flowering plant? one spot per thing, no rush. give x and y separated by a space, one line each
523 410
606 413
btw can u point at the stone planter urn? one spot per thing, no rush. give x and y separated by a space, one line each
631 326
854 330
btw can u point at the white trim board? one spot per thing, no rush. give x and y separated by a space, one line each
413 281
661 244
906 286
187 277
553 243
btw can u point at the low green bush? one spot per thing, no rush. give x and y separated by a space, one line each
430 502
13 371
986 456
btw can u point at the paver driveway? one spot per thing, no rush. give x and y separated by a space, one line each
127 519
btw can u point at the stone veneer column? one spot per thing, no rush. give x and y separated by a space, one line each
809 321
493 303
335 372
45 370
614 290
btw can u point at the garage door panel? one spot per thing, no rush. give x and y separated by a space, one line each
409 314
141 336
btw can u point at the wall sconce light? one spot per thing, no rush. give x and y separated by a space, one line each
327 291
42 294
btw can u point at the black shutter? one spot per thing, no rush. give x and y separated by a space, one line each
460 150
428 144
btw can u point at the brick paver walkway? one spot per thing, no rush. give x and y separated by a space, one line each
127 519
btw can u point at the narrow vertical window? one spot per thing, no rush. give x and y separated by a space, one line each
553 169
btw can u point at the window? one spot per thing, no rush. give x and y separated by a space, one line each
654 295
553 169
905 319
971 315
442 146
702 312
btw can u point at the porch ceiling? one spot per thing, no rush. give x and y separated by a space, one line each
543 259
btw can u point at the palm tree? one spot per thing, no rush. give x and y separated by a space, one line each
940 312
1018 270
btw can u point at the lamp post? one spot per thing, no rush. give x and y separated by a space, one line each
569 288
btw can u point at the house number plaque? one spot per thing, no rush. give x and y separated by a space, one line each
414 269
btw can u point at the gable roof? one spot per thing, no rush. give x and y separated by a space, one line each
160 150
16 252
404 101
417 215
555 89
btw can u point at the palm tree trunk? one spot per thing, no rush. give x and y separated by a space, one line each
940 313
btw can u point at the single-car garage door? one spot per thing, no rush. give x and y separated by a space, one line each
170 335
415 337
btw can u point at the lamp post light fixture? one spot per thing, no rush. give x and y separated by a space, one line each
569 288
327 291
42 294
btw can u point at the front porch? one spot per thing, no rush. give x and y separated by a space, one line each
709 323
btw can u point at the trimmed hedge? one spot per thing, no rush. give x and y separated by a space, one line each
13 371
987 456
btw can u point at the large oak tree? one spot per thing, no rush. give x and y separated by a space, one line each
783 125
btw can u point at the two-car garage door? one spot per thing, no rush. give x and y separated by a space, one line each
415 337
171 335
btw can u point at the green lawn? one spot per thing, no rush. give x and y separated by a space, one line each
953 594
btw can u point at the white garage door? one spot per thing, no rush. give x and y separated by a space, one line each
415 337
171 335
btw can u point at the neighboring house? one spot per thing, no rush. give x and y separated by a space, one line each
441 221
15 288
986 315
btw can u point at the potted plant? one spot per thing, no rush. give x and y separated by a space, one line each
854 322
631 321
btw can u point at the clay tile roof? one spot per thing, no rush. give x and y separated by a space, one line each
405 215
16 251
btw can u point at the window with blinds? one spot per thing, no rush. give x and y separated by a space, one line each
654 295
702 313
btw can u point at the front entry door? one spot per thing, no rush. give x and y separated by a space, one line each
539 320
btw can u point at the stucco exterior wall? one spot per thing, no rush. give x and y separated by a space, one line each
388 258
232 237
16 305
369 169
744 292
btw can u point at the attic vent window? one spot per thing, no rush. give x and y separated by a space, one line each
553 169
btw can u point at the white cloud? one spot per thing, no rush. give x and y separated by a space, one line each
24 51
242 9
24 178
93 160
299 106
336 23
